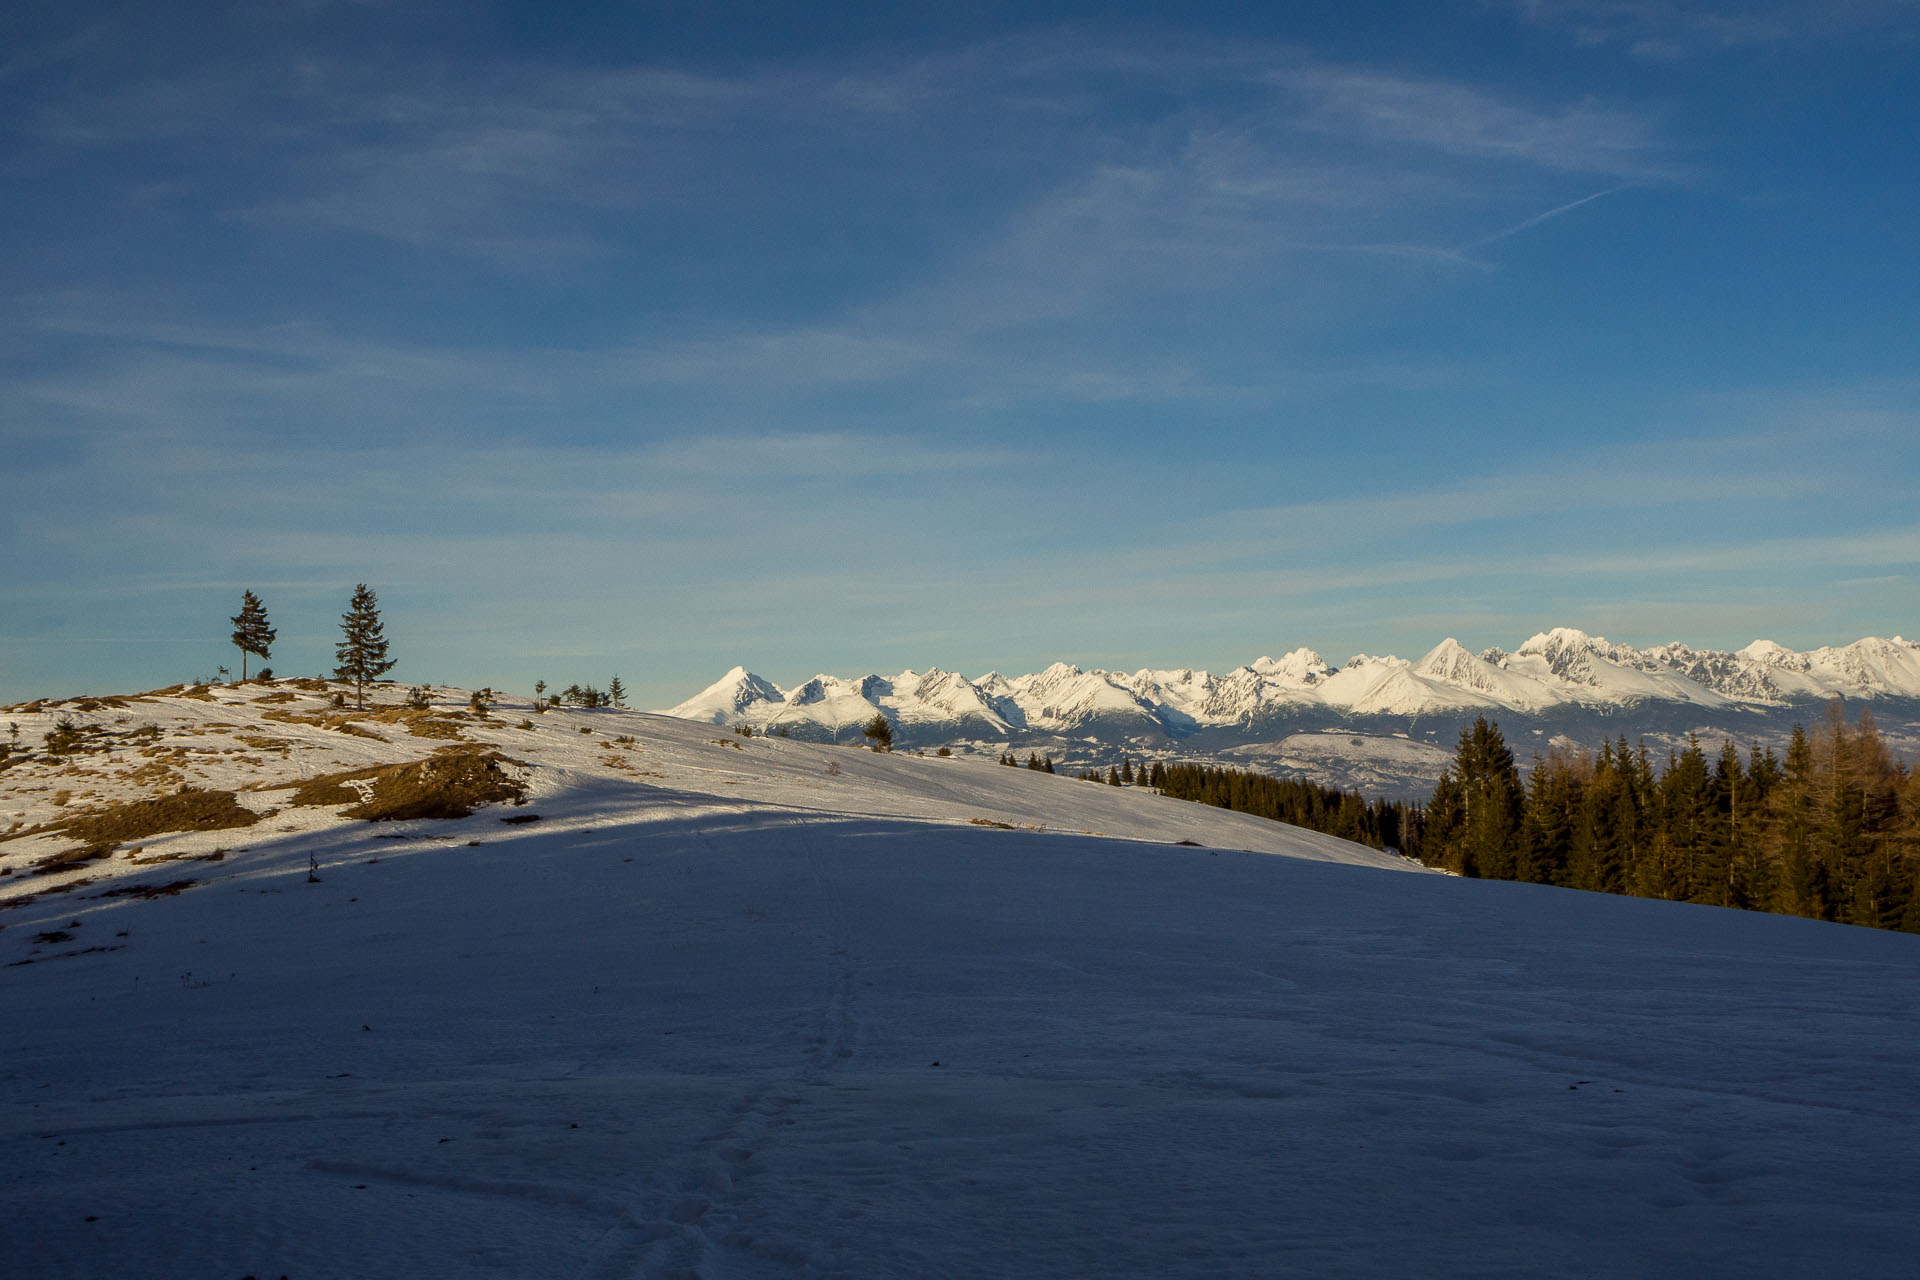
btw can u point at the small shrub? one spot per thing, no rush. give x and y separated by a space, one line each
419 700
584 729
63 738
526 724
833 768
944 751
339 699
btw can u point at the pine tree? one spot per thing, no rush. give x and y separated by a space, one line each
1799 879
617 692
251 634
1481 811
879 731
1556 794
362 651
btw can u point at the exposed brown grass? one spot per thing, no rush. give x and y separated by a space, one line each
67 859
423 725
101 830
338 721
166 890
94 704
451 784
218 855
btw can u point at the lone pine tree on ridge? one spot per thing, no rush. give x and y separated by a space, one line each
251 634
362 651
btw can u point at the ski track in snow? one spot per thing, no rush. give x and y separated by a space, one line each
759 1008
676 1230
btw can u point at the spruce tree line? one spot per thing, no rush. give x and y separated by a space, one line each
1379 824
1831 831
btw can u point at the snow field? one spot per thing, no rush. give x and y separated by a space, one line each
722 1013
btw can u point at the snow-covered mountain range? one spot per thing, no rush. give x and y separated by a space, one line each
1562 683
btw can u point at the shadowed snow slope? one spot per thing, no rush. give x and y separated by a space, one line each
723 1012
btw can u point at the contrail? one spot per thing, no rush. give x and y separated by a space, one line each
1539 218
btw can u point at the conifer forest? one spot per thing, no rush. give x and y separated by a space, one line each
1830 831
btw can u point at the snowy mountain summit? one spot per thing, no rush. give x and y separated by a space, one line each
1561 668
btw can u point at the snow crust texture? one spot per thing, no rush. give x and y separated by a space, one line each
763 1008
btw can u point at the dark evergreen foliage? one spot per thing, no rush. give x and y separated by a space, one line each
1380 824
251 632
362 651
1832 831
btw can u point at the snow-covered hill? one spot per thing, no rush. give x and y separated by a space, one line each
1558 684
719 1006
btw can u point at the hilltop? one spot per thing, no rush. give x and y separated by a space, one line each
672 1001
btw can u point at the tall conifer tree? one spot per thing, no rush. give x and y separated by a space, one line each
362 651
251 633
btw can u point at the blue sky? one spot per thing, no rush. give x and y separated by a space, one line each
656 338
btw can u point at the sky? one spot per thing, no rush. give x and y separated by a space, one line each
654 338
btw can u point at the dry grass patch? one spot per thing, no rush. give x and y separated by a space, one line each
338 721
166 890
451 784
218 855
185 810
101 830
84 703
423 725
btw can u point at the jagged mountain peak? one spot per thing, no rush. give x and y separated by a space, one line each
1561 667
1559 639
1302 665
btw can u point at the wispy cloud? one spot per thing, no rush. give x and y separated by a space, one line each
1464 121
1668 29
